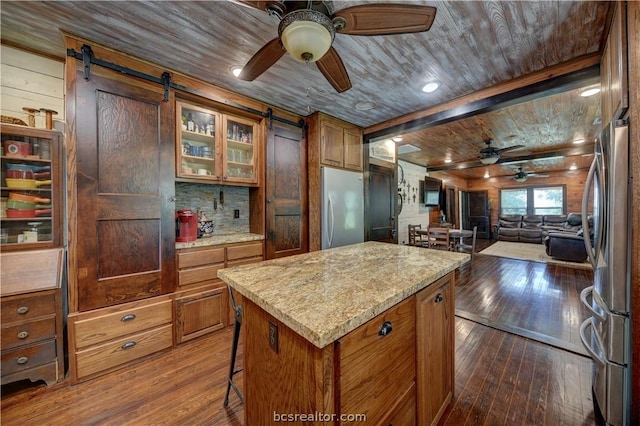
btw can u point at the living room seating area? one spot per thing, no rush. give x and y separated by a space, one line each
534 228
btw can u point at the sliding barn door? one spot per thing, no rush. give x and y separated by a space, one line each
125 190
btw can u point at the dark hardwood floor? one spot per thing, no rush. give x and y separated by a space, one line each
501 378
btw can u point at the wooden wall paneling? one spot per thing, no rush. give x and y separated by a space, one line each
573 180
633 34
30 80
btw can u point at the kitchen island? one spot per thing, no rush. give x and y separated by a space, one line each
360 330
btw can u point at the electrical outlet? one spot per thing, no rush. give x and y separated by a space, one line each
273 336
236 214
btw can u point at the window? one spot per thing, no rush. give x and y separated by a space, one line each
533 200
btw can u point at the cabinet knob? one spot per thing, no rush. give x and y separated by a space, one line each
128 317
23 335
23 310
439 298
22 360
385 329
128 345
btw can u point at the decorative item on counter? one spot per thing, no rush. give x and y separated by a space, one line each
206 226
49 113
31 115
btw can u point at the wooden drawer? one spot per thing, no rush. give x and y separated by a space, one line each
199 257
26 307
117 352
404 412
26 357
364 354
28 332
198 275
110 323
244 251
199 313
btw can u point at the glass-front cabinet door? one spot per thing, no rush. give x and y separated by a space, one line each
241 137
196 148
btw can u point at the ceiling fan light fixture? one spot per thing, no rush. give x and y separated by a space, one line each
306 34
520 179
489 160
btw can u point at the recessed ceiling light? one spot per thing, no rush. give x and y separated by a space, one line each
486 174
447 160
397 138
573 167
578 141
236 70
431 87
590 92
365 106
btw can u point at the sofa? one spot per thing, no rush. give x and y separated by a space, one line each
535 228
567 246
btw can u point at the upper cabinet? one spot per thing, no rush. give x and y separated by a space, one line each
613 68
214 147
340 144
32 186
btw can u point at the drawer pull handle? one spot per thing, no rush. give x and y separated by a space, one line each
128 317
22 360
128 345
386 328
23 335
23 310
439 298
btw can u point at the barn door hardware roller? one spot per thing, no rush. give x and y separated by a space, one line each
87 58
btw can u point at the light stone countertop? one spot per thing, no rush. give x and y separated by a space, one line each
324 295
221 239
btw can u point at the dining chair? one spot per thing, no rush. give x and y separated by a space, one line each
468 248
439 238
415 239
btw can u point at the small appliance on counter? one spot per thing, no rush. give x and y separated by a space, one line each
186 226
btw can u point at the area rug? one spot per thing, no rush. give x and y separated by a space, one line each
527 251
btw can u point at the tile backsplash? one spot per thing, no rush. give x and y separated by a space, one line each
196 197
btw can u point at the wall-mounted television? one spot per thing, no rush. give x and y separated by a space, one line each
432 191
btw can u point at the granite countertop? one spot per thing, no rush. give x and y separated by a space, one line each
221 239
324 295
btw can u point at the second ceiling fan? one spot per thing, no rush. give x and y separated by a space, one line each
307 29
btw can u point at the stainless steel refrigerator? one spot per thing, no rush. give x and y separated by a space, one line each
606 335
342 208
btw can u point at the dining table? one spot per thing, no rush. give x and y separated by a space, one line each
455 234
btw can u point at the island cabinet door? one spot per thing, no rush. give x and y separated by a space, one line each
435 349
376 366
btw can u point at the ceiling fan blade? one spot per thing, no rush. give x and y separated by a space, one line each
537 175
383 19
331 66
262 60
260 5
510 148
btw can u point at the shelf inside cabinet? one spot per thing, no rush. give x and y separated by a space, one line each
203 138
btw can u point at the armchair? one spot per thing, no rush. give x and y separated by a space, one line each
567 246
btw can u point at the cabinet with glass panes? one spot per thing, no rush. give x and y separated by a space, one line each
31 202
215 147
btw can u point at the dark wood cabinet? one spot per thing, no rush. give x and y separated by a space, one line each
435 309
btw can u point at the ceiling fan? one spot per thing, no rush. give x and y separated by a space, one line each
307 29
522 176
490 154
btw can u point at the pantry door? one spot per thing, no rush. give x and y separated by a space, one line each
124 231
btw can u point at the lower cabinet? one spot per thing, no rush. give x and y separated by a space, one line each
104 339
384 349
435 309
200 311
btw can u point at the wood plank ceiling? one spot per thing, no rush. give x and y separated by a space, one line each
471 46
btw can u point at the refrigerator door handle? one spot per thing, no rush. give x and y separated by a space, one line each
583 297
585 211
583 336
330 225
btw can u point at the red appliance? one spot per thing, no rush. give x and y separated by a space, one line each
186 226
